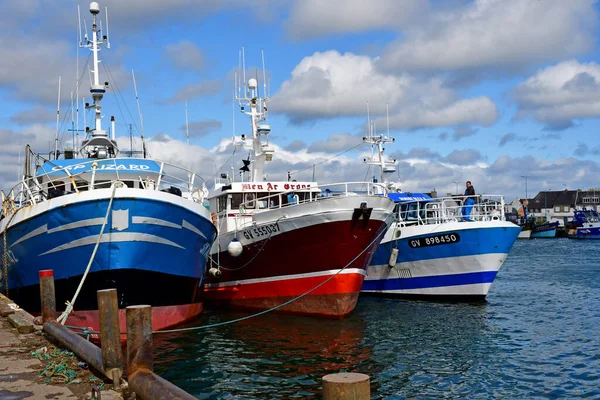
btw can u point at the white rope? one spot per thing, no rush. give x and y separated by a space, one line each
63 317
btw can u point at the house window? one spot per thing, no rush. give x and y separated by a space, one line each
566 209
557 209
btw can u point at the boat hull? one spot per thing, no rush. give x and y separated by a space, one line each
592 233
460 264
547 230
153 251
315 261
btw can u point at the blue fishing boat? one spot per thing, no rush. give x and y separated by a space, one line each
104 221
431 251
544 230
585 225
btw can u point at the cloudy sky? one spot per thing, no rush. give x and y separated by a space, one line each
488 90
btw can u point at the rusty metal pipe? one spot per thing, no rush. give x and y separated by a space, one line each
139 338
87 351
47 295
150 386
142 380
110 334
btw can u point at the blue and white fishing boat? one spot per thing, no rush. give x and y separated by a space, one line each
585 225
430 252
103 221
544 230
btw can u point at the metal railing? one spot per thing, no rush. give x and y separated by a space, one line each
61 181
448 209
296 197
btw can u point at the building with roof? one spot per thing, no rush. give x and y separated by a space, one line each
559 204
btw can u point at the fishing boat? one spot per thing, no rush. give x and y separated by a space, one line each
103 221
544 229
296 247
585 225
431 252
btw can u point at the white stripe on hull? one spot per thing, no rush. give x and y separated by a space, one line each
439 266
479 289
287 277
114 238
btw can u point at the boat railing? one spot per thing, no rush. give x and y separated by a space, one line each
293 197
448 209
88 176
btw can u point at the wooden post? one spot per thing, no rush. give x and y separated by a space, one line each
47 295
342 386
110 335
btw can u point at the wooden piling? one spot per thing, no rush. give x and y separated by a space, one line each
110 334
346 385
47 295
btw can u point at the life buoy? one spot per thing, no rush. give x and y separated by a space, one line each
214 218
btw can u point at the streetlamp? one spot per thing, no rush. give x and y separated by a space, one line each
456 183
526 177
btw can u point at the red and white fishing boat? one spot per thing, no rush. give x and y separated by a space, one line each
295 246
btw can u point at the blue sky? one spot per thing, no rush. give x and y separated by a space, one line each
483 90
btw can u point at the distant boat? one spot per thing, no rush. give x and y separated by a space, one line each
544 230
102 221
585 225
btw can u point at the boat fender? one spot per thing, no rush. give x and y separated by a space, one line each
215 272
393 258
235 248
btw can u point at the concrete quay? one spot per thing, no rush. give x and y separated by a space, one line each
31 367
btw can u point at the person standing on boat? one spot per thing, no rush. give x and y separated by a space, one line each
468 201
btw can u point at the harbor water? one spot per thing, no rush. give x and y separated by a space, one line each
536 336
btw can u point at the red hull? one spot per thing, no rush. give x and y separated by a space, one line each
271 272
162 318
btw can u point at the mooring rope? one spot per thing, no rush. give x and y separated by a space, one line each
193 328
63 317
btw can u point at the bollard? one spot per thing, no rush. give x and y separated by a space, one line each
110 335
346 386
47 295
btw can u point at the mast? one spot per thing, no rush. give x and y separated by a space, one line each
261 152
99 144
387 166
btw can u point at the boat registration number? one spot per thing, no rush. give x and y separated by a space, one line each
447 238
261 231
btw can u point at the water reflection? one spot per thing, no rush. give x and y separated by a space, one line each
278 355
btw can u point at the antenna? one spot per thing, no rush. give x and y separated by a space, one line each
264 74
387 117
137 99
244 69
57 120
72 119
187 131
79 25
84 113
107 37
368 121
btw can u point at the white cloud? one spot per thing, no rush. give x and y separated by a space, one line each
313 18
195 90
201 128
330 84
334 143
495 34
561 93
185 55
